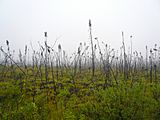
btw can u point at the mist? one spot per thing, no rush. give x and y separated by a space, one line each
25 21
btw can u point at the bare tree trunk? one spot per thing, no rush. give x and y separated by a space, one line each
93 64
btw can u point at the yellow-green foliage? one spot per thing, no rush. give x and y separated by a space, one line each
82 100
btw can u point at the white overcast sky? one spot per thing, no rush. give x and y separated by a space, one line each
25 21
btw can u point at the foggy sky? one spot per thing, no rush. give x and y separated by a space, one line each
25 21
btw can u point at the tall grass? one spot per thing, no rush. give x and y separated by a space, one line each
95 83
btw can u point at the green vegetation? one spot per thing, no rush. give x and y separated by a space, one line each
96 85
82 100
